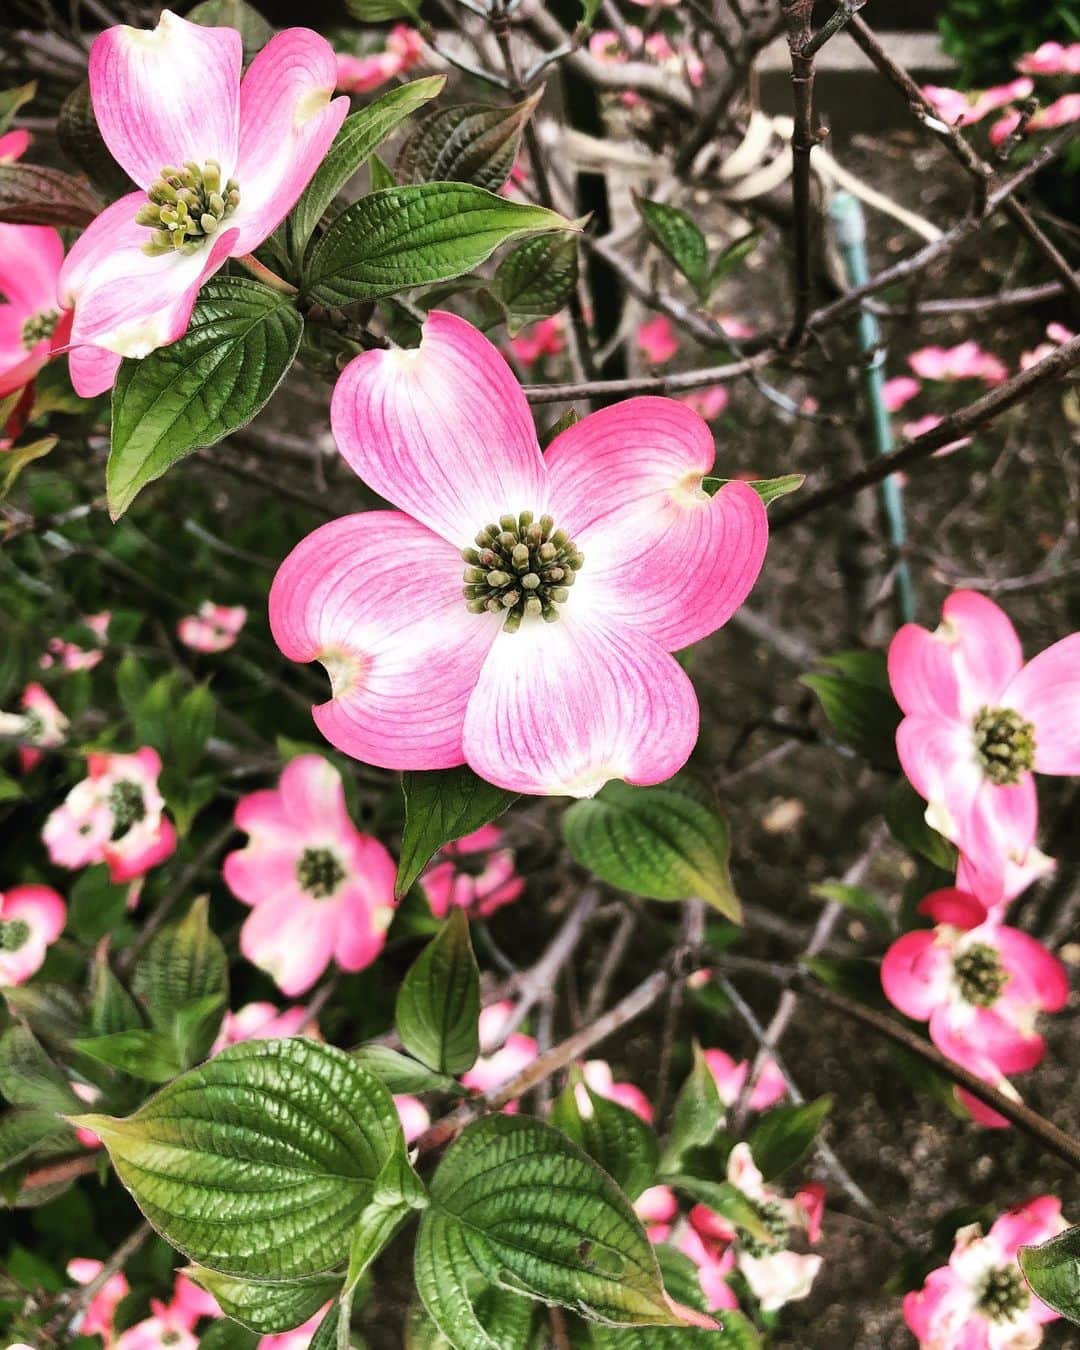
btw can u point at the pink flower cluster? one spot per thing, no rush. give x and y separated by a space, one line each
606 46
474 874
31 918
979 1300
360 74
977 723
214 628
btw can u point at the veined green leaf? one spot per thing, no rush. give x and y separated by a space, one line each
143 1054
536 278
31 194
697 1114
858 899
358 136
786 1134
498 1219
653 841
768 489
414 235
506 1317
730 258
242 339
440 806
905 815
283 1138
28 1077
254 31
613 1136
679 237
858 703
399 1073
726 1199
1053 1271
184 980
438 1004
468 143
264 1307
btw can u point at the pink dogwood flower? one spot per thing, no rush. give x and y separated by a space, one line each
656 340
261 1022
97 1320
31 327
361 74
319 889
214 628
69 656
1060 113
41 722
297 1339
218 162
958 109
598 1076
729 1076
977 722
540 339
966 361
172 1325
115 816
979 984
502 1056
708 403
899 390
657 1207
980 1300
1051 58
540 686
31 918
472 873
414 1116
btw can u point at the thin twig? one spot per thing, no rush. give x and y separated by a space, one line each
798 16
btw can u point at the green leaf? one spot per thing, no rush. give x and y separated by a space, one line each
398 1193
184 980
697 1114
224 1334
399 1073
536 278
736 1332
438 1004
357 138
410 236
616 1138
382 176
768 489
254 31
726 1199
143 1054
506 1317
18 457
242 339
97 905
589 10
730 258
440 806
859 900
28 1077
378 11
193 725
905 815
267 1308
11 100
495 1219
30 194
786 1134
209 1164
679 237
468 143
26 1130
112 1008
653 841
858 704
1053 1271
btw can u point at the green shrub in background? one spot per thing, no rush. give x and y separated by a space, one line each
987 36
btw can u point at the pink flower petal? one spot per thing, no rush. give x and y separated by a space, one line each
562 708
259 870
127 863
312 797
92 370
442 431
377 599
290 940
999 830
1037 976
30 261
938 758
985 648
287 122
1010 1048
916 974
953 907
922 674
167 95
1027 1225
1047 692
990 1119
17 365
660 555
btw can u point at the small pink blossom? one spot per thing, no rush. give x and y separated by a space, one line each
928 423
69 656
543 338
967 361
423 676
32 917
97 1320
361 74
1057 333
91 1096
472 873
31 327
977 722
13 145
980 1300
656 340
172 98
715 1261
502 1057
708 403
261 1022
320 890
214 628
599 1077
1052 58
730 1076
41 722
1060 113
959 109
735 327
657 1207
898 391
413 1114
297 1339
115 815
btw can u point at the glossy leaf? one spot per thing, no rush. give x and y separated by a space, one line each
358 136
284 1138
1052 1269
697 1114
786 1134
613 1136
143 1054
11 100
438 1004
27 1130
254 31
242 339
858 899
679 237
536 278
263 1307
31 194
183 978
507 1318
855 697
467 143
18 457
440 806
768 489
28 1076
653 841
192 727
414 235
495 1219
730 257
724 1199
905 815
399 1073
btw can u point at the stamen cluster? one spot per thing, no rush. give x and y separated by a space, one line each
777 1227
38 327
980 975
319 872
14 935
521 566
1003 1295
127 805
186 207
1005 744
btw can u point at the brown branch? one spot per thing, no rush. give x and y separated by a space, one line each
798 19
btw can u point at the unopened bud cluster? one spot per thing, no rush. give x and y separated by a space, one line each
522 567
186 206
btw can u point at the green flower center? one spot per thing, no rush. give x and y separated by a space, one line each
980 975
1005 744
520 567
1003 1295
186 206
38 327
319 872
777 1228
14 935
127 805
33 725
